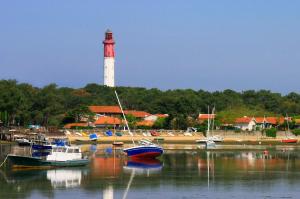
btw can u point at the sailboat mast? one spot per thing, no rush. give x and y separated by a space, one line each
208 122
213 119
287 121
124 116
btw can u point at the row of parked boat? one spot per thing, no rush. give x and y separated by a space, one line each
60 153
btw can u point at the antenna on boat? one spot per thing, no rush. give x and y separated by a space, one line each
124 117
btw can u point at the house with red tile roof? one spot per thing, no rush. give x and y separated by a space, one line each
106 110
251 123
245 123
137 114
116 111
205 117
104 121
266 122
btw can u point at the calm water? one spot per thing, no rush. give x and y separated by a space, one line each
189 173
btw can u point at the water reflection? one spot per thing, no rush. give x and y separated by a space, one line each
107 163
180 173
64 178
143 166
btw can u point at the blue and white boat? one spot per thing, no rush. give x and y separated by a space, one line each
144 149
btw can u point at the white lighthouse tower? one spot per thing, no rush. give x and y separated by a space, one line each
109 60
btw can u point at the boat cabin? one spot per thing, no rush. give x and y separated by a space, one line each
62 153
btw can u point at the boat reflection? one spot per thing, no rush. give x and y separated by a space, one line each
65 178
58 178
143 166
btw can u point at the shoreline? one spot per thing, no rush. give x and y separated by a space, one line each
249 140
178 139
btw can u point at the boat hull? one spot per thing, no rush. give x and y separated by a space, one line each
23 161
41 147
143 152
24 143
117 143
289 141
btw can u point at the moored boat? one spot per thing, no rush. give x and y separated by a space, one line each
215 138
289 140
23 142
93 137
115 143
59 157
145 149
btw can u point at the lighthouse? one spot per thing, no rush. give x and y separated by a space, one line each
109 60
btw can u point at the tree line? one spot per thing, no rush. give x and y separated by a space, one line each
22 104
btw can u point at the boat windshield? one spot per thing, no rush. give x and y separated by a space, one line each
73 150
59 149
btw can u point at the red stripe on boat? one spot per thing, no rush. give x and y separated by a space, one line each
146 155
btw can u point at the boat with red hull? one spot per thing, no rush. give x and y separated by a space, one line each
289 140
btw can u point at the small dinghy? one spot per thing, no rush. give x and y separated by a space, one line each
93 137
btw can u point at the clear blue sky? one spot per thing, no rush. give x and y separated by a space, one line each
210 45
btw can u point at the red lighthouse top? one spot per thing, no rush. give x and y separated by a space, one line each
109 44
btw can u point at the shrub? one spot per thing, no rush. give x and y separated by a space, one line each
296 132
271 132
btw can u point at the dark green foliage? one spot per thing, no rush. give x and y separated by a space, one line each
160 123
271 132
81 127
296 132
132 121
23 104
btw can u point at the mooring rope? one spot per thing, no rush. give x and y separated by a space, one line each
3 161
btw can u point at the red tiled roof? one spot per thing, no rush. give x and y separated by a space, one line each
104 120
139 114
70 125
117 110
273 120
270 120
105 109
206 116
260 119
161 115
145 123
243 120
